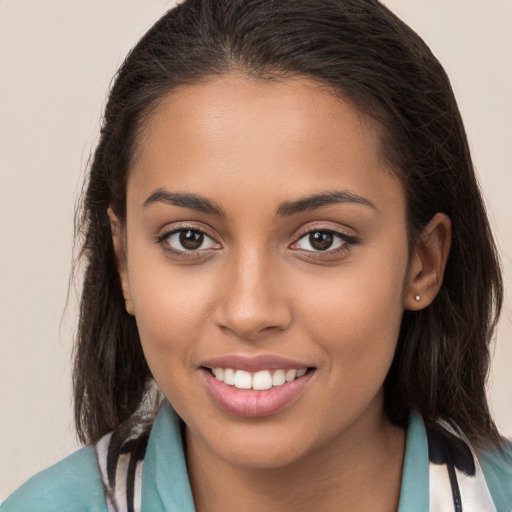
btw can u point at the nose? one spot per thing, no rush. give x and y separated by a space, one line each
253 299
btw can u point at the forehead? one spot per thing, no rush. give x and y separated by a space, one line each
283 136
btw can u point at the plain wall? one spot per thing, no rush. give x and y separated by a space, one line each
57 58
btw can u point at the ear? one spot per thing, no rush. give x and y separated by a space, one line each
428 262
118 240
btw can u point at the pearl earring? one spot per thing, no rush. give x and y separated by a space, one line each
417 298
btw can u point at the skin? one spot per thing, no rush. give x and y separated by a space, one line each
257 286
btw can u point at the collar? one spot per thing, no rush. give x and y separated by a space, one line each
166 487
414 490
165 483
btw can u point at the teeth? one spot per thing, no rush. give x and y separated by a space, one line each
243 380
290 375
229 376
261 380
278 378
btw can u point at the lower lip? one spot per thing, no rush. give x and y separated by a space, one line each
252 403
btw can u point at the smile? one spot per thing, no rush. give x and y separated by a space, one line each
256 393
261 380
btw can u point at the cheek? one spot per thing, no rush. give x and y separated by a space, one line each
172 311
355 318
171 317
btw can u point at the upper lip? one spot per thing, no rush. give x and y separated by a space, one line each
254 363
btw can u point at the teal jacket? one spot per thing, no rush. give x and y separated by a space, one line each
75 484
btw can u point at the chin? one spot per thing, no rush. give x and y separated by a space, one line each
262 446
271 457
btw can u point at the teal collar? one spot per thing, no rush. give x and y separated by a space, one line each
166 487
165 483
414 490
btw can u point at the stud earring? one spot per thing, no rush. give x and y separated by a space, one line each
417 298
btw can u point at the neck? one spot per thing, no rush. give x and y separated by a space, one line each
359 470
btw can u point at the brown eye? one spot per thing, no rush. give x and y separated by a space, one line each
188 240
324 240
321 240
191 239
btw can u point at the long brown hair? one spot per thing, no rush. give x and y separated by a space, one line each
361 49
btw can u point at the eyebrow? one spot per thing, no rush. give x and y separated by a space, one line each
185 200
285 209
316 201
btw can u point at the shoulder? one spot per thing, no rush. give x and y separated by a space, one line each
497 468
73 484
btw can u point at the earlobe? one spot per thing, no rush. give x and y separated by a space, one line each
428 262
118 240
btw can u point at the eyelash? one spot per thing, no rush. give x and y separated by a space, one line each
162 240
348 241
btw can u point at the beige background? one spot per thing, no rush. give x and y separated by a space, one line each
56 61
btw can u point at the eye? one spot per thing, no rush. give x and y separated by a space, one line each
188 240
323 240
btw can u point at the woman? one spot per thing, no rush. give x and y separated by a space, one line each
283 230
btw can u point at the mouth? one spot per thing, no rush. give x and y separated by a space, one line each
263 392
260 380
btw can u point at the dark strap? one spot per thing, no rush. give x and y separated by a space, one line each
120 462
454 471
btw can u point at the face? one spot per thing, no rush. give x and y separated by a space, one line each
265 237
